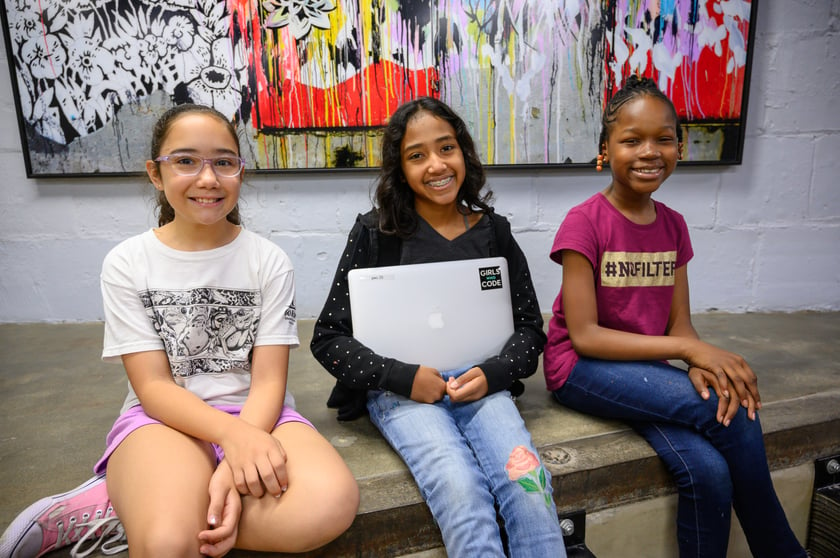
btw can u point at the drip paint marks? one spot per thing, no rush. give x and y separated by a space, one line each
311 82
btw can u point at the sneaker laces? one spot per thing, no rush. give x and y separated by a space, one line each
106 534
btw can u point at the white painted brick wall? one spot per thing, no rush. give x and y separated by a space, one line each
824 201
766 234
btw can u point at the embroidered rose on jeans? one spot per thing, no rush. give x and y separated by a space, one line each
523 467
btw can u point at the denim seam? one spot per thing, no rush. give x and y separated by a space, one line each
691 479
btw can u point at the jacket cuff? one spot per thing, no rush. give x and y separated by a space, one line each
400 379
497 376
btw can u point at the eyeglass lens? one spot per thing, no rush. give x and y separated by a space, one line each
189 165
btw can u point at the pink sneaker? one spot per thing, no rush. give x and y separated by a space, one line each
58 521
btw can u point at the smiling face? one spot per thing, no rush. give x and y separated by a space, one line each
642 146
206 199
432 162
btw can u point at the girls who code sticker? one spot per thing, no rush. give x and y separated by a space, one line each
490 277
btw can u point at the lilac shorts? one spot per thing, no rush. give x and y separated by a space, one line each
135 417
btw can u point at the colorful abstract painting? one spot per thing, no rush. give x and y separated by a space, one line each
311 82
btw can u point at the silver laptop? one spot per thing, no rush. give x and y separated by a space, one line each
444 315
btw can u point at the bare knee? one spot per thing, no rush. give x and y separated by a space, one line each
333 509
320 504
341 506
164 540
163 534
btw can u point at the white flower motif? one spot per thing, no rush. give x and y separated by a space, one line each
179 32
44 56
299 15
25 26
142 45
92 63
217 83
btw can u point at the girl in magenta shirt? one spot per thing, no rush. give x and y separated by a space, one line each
623 311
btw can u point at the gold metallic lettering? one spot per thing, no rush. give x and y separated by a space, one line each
638 269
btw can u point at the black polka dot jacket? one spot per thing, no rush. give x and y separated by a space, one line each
357 369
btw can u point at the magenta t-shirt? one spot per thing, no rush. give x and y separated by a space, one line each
634 274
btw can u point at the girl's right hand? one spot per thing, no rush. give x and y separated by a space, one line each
428 386
469 386
222 514
257 460
731 370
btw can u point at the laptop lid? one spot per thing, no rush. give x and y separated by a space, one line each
445 315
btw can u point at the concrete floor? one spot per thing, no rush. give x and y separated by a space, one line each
58 400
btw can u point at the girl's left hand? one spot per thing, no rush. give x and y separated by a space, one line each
703 380
257 461
469 386
731 370
222 514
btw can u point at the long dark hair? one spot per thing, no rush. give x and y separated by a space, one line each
634 88
394 198
161 129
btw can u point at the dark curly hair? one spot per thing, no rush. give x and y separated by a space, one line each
634 88
161 129
394 198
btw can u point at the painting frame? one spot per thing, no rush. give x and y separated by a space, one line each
307 98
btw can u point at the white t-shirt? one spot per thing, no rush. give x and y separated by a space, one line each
206 309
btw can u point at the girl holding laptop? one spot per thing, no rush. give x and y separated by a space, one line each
459 431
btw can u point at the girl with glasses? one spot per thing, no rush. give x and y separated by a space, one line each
208 452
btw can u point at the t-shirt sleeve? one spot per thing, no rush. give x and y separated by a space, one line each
278 316
575 233
128 328
685 251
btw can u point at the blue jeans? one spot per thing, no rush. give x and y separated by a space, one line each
458 453
715 467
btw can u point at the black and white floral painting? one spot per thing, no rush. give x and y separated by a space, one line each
79 63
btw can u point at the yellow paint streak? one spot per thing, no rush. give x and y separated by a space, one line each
330 37
366 16
512 105
372 146
388 83
491 138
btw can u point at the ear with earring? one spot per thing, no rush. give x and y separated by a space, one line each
599 162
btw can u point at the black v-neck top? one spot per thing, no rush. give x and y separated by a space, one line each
426 245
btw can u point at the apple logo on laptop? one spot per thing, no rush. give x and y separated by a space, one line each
436 320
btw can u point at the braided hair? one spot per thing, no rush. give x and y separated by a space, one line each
634 88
